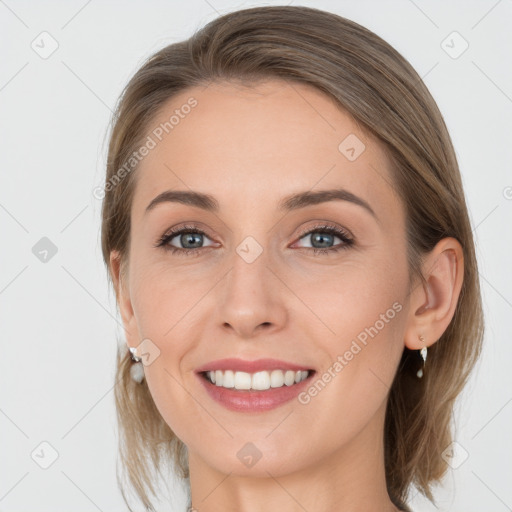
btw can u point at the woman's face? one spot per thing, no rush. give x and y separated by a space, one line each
252 287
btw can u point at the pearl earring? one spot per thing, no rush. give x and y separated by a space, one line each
423 353
137 368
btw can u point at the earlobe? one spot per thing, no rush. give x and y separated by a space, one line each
433 303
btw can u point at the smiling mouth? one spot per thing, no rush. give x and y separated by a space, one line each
257 381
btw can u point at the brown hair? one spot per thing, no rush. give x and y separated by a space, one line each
373 83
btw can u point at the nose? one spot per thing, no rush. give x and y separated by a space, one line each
252 299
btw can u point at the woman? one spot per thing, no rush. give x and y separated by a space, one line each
286 231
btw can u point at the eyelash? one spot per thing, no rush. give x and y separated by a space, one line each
323 228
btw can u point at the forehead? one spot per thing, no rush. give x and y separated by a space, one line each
257 144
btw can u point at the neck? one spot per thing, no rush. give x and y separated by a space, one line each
350 479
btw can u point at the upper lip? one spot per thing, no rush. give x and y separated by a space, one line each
250 366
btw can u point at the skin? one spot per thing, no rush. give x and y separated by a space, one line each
249 148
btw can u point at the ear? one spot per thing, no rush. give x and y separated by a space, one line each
432 305
122 291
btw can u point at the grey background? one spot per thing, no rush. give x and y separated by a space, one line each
58 320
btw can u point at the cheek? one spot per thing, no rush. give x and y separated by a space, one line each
359 314
362 320
165 300
164 304
353 292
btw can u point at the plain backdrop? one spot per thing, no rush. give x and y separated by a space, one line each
59 323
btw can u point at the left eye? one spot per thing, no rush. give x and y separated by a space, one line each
322 237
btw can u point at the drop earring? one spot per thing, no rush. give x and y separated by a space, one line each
423 353
137 368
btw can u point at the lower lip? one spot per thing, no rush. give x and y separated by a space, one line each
252 400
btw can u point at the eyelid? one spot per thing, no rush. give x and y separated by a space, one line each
323 225
178 230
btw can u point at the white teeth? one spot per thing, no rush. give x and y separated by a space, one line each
276 379
228 380
260 381
242 380
289 378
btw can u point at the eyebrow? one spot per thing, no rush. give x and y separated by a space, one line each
289 203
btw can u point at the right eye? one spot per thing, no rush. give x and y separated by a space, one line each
189 239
